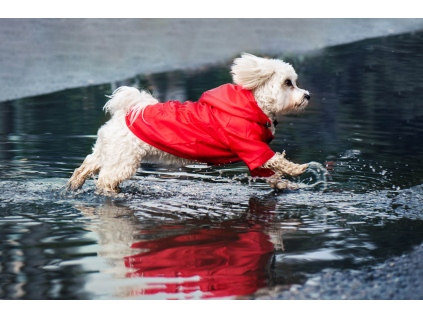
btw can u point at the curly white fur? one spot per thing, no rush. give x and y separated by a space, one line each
118 152
280 165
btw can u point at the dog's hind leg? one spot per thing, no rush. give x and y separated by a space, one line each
89 167
120 157
111 175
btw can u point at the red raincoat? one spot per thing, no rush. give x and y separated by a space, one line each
229 263
226 125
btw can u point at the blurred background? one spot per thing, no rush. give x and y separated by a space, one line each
45 55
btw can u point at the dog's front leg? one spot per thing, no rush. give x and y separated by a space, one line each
280 165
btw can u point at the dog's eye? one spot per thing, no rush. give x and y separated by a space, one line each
288 82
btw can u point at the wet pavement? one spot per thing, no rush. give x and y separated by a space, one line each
200 232
398 278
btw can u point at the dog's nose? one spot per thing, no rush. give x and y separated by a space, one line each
307 96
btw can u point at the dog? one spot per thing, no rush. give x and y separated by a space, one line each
228 124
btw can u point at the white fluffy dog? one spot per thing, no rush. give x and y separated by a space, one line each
118 152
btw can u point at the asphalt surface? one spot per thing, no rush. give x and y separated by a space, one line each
39 56
399 278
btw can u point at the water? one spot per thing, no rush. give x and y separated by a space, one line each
199 232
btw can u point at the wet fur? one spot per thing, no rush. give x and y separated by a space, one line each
118 152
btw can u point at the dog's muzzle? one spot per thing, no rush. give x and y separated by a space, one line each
303 103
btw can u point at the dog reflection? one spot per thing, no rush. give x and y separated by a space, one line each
228 262
229 258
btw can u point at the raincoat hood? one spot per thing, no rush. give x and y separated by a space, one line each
236 101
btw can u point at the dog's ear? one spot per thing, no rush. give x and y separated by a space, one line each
250 71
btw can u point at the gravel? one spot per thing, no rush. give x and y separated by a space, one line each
398 278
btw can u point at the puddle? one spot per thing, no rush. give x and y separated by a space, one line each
198 232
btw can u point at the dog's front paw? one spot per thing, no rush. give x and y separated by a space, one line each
294 170
281 184
298 169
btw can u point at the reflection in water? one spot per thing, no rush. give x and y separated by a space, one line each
221 259
227 261
34 243
6 127
168 86
365 121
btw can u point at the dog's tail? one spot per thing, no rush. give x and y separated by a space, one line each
126 98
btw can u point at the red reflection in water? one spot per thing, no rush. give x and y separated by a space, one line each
228 262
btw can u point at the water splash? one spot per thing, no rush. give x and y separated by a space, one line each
320 174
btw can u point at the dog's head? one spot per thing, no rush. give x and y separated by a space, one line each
273 83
